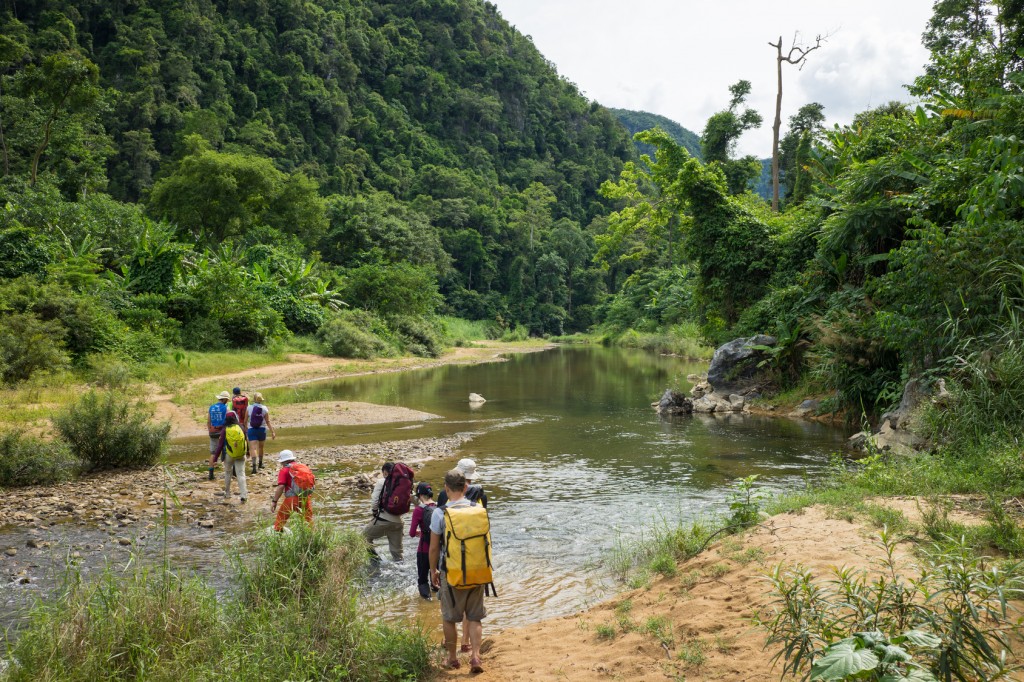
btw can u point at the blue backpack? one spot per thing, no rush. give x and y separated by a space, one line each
218 413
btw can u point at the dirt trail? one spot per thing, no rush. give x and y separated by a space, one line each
709 606
189 420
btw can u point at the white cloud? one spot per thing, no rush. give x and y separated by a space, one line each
678 57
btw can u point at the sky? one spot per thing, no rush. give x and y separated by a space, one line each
678 58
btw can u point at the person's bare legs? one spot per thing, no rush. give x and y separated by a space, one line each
451 641
465 634
476 635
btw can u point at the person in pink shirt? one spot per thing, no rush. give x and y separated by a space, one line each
419 527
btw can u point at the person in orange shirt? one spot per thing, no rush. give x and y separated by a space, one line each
295 482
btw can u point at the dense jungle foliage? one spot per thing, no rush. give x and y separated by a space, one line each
900 248
210 174
214 174
639 121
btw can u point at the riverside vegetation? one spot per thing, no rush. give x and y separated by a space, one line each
178 181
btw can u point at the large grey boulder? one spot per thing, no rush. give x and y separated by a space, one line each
734 365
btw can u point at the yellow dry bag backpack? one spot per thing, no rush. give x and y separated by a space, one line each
467 548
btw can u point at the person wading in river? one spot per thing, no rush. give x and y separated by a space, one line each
475 493
419 527
296 482
215 418
235 449
388 501
460 567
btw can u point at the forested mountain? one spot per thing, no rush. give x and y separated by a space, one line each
410 143
638 121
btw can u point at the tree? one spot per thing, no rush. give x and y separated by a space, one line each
721 133
797 56
795 147
64 83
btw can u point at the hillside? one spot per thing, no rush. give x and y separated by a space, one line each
636 121
436 133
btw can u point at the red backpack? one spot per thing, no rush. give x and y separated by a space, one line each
303 480
397 492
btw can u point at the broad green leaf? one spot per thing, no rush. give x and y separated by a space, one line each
919 638
843 660
915 675
892 653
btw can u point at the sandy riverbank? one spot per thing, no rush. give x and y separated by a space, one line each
707 607
188 417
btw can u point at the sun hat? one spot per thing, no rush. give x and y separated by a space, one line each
223 395
467 467
423 488
286 456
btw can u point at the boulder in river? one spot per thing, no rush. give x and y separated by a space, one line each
476 399
734 365
673 402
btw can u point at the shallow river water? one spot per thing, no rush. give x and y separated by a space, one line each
573 459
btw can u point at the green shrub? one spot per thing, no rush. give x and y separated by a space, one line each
952 621
25 460
519 333
418 336
203 334
29 345
107 430
344 336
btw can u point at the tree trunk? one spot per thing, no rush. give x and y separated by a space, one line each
776 126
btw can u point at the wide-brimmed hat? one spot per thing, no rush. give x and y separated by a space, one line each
286 456
467 467
223 395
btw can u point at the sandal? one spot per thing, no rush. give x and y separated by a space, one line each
453 665
466 648
475 667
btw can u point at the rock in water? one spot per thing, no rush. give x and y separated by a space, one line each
476 398
734 365
674 402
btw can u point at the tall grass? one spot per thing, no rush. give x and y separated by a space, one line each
683 340
293 613
459 332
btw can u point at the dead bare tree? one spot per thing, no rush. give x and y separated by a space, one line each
797 56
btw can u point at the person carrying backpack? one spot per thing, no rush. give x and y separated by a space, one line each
258 419
475 493
240 406
215 418
295 481
389 501
419 527
233 445
460 567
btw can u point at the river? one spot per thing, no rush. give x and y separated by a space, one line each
573 459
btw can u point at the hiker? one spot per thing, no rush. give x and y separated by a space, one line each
215 418
258 419
460 567
296 482
232 443
240 406
388 501
474 492
419 527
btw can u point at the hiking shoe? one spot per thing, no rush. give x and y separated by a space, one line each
211 473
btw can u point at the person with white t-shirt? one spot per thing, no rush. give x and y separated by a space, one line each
258 419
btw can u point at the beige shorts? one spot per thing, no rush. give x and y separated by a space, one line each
458 603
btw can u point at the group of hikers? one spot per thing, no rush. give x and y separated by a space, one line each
238 433
453 557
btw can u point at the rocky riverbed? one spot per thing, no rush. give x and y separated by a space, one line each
101 518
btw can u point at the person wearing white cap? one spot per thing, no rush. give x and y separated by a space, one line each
474 493
295 481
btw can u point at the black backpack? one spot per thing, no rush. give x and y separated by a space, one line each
428 511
